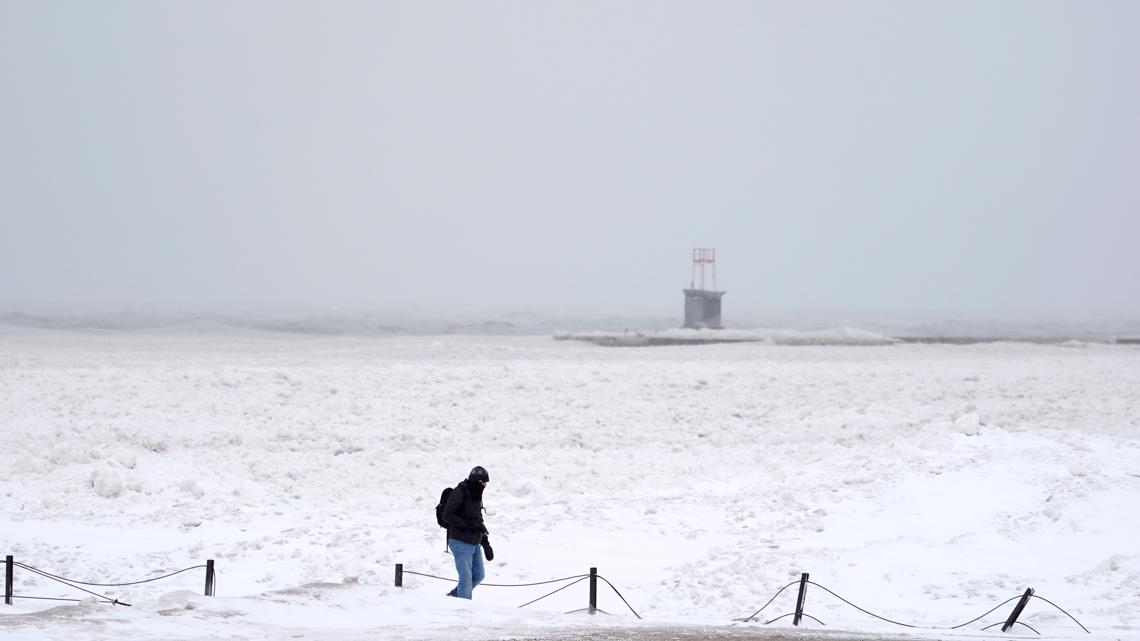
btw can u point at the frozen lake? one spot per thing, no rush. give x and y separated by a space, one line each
926 483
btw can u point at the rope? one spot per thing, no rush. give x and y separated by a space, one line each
556 591
792 613
45 598
619 596
65 582
905 625
960 625
430 576
778 593
527 585
1017 622
1062 610
499 585
104 585
579 577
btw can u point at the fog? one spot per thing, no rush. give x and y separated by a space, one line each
935 159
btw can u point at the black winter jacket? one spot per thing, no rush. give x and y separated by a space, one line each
463 514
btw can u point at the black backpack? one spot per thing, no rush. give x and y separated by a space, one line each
439 508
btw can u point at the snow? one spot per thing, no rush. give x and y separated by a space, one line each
833 336
925 483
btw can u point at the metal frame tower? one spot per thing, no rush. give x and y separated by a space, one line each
702 306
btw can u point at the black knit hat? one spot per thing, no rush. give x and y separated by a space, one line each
479 474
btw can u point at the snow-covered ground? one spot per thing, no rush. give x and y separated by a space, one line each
925 483
685 336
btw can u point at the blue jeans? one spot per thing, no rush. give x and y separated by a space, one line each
469 565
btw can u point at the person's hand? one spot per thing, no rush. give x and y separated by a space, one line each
487 551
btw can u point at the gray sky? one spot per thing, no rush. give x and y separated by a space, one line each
972 158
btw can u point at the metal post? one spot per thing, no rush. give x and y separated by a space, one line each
1017 610
399 575
800 599
593 590
8 578
209 577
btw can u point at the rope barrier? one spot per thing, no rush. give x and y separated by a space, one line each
962 625
71 585
501 584
75 583
906 625
1062 610
576 579
778 593
620 596
554 592
105 585
46 598
579 577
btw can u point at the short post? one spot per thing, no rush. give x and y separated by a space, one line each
1017 610
399 575
800 599
209 577
593 590
8 579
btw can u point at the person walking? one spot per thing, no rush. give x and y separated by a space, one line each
466 533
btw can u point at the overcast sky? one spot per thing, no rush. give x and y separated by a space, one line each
970 158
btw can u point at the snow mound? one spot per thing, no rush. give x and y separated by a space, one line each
107 483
